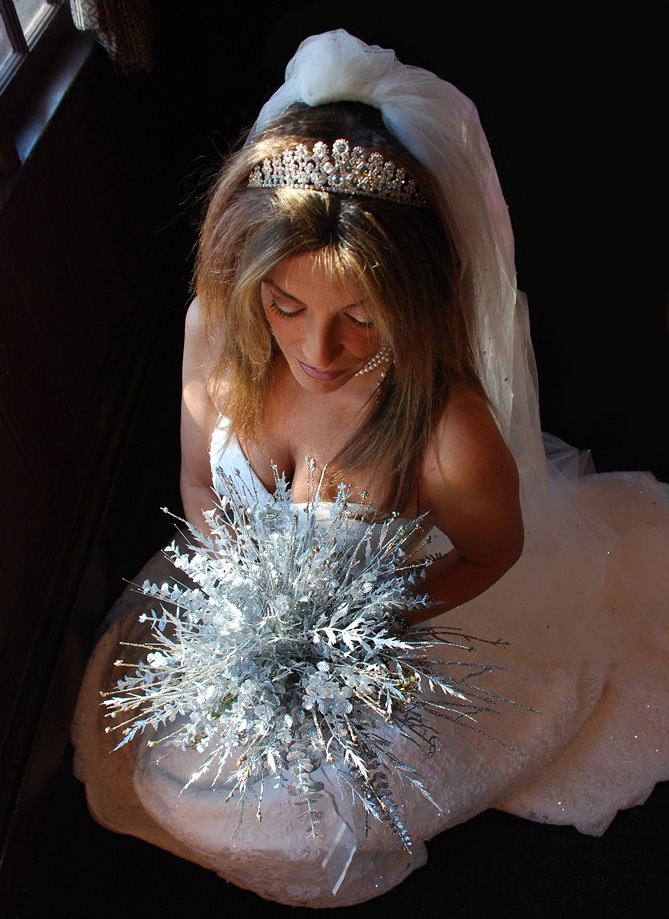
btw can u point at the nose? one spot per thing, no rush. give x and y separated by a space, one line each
322 346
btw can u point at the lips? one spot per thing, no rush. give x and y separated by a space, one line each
324 375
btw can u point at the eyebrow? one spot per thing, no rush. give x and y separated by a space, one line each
284 293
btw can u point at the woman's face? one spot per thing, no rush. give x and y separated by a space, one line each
321 323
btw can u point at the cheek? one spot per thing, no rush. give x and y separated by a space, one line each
285 334
364 342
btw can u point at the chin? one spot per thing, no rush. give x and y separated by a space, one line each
320 387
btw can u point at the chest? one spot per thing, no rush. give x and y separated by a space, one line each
296 430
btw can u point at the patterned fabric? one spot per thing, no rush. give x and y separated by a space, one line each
123 27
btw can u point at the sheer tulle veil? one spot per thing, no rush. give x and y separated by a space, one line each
441 128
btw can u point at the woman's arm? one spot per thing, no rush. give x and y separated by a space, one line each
198 416
469 483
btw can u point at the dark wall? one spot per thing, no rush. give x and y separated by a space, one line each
92 282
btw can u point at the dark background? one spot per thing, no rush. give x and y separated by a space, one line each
574 108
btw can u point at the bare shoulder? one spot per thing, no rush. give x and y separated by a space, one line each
196 336
469 478
467 446
202 349
194 319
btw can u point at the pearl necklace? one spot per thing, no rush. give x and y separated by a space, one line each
381 357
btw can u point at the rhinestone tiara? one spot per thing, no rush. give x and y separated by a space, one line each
345 172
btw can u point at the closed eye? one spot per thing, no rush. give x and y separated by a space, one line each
363 324
283 314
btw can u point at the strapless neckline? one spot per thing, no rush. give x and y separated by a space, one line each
228 457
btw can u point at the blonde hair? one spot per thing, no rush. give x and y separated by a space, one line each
402 258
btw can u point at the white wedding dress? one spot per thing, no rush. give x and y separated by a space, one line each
591 720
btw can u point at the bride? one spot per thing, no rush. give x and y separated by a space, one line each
356 303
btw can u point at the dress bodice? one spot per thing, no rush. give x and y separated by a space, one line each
226 456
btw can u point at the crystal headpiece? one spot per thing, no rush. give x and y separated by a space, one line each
345 172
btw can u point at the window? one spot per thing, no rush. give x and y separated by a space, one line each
31 32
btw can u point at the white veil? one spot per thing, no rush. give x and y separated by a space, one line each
441 128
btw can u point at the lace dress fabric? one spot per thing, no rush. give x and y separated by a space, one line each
589 731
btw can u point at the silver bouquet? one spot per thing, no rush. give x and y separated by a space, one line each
292 651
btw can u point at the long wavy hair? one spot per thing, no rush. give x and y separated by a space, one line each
403 259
